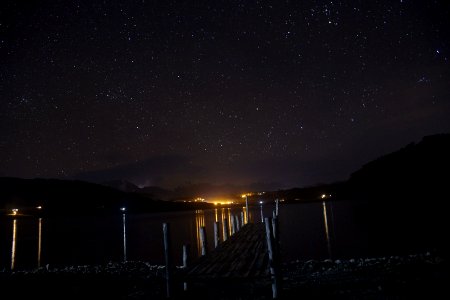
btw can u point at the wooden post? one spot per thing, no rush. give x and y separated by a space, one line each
236 221
185 262
203 239
274 226
272 262
216 234
168 259
276 207
226 229
233 226
242 219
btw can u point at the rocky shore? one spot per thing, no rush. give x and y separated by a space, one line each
395 277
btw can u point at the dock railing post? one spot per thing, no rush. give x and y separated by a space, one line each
216 234
233 226
272 261
276 207
168 259
203 239
226 229
275 226
185 262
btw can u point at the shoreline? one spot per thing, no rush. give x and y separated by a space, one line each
392 277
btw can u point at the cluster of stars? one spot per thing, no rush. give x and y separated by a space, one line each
90 86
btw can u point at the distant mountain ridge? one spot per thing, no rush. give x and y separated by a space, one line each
75 197
420 169
415 173
188 191
122 185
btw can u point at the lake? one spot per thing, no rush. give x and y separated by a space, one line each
316 230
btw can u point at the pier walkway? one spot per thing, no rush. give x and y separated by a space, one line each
243 256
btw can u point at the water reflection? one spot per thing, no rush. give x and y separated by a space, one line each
39 243
327 232
245 215
230 231
124 224
199 222
222 218
215 214
13 246
262 215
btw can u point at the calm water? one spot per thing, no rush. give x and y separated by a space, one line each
308 231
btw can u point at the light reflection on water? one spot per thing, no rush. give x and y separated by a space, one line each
13 246
223 217
199 222
39 243
327 232
99 239
124 224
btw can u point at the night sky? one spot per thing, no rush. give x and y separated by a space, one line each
281 93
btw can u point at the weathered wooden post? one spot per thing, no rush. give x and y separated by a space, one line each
185 255
168 259
236 221
272 262
242 219
185 262
216 234
233 226
276 206
203 239
275 226
226 229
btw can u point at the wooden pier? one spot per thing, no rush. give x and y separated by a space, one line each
243 265
243 256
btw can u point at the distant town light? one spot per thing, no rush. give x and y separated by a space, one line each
260 202
323 196
123 208
14 211
39 207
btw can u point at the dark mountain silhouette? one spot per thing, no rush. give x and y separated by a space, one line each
157 192
416 173
407 188
122 185
403 197
76 197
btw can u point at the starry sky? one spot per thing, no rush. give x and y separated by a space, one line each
168 93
